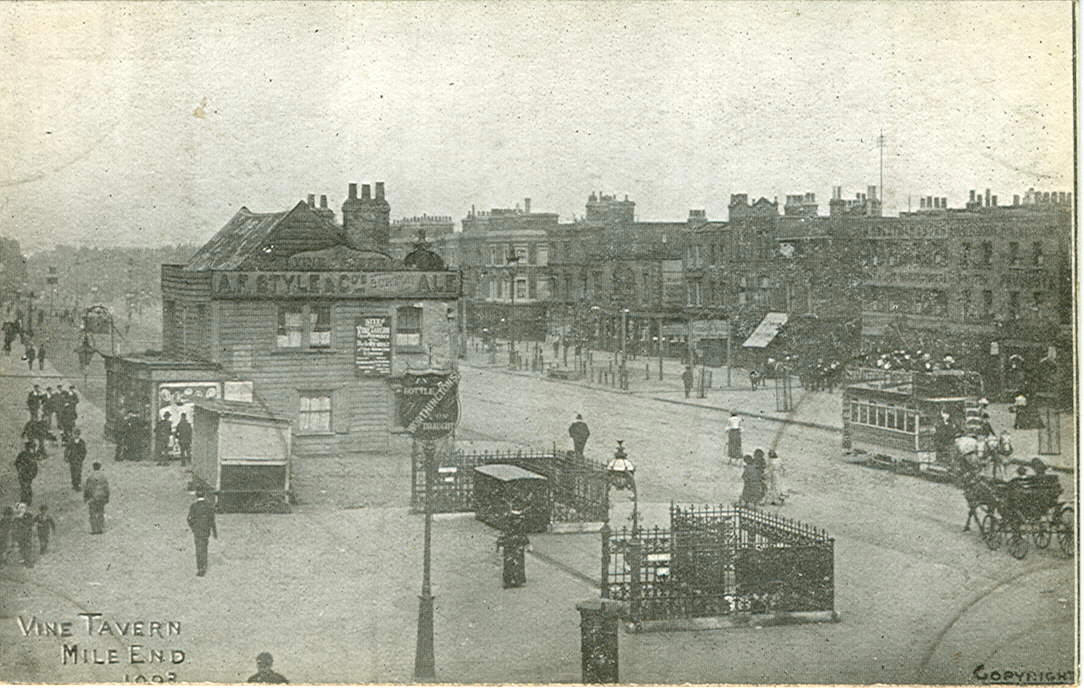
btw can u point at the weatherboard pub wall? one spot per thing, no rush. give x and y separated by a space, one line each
363 408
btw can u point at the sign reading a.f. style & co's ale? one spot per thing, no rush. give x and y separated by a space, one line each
233 284
372 345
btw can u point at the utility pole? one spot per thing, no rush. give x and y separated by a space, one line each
881 145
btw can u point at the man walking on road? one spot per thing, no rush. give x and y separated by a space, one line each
41 356
201 519
26 468
34 402
75 453
687 380
96 495
579 433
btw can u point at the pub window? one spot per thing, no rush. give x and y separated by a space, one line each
290 327
320 326
987 253
521 288
314 412
890 418
408 326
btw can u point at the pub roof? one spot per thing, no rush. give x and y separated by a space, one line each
248 233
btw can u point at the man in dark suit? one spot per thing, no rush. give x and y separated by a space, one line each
201 519
75 452
183 432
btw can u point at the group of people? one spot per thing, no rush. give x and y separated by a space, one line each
762 479
61 406
30 354
917 361
17 528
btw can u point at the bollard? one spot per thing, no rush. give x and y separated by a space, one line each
647 371
599 625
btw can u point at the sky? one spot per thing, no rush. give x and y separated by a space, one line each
152 123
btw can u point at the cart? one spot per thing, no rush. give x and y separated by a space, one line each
500 489
1028 507
241 454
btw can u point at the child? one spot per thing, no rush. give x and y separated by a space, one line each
46 525
7 522
24 533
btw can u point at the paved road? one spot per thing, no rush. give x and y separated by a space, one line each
910 585
332 593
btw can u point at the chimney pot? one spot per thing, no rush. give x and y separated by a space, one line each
988 198
922 203
323 200
1016 199
380 191
527 205
312 200
366 192
971 196
352 192
993 200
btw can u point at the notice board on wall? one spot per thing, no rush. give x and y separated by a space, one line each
372 345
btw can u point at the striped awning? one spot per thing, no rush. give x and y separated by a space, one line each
766 331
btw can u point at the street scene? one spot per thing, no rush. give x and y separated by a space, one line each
616 396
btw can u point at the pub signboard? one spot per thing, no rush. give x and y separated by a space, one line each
429 403
372 345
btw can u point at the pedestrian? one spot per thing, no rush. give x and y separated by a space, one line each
513 543
48 407
579 433
46 526
75 452
752 482
7 524
28 355
23 533
26 468
34 401
687 380
96 495
183 433
754 379
774 492
264 674
163 432
65 417
34 432
201 520
733 438
41 356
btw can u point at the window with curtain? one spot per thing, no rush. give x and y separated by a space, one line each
314 412
408 327
320 327
290 327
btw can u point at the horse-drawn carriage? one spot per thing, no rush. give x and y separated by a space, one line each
890 418
1014 511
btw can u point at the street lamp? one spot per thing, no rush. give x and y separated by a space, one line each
621 474
513 261
86 352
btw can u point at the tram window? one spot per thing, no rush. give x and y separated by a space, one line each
881 417
890 418
910 422
863 414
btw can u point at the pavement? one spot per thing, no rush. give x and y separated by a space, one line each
332 592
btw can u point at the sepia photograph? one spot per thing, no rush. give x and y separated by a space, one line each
400 343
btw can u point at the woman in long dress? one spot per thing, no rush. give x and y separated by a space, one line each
775 493
733 438
752 483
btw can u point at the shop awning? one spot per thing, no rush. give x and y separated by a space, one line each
766 331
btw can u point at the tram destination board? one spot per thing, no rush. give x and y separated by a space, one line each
372 345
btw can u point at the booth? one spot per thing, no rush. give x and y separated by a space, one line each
241 453
500 488
142 388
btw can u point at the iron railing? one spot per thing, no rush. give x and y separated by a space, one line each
719 560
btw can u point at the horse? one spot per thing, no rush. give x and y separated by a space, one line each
973 454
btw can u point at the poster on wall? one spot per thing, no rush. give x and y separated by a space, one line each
175 398
372 345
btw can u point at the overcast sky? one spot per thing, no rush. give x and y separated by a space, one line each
152 123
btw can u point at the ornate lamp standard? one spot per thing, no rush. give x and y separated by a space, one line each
86 352
622 475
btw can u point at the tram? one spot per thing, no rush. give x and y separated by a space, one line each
890 416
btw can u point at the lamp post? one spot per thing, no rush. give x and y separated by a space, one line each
424 660
622 475
513 261
85 351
